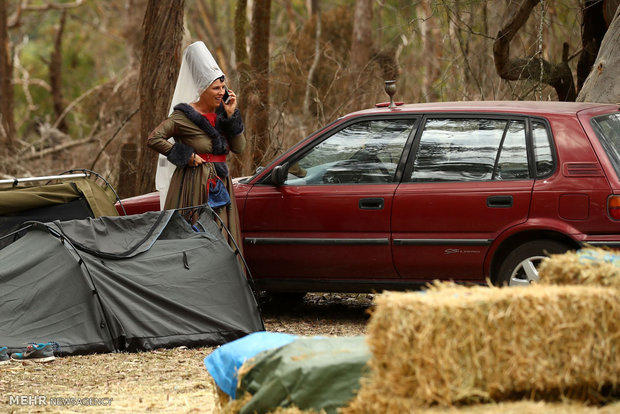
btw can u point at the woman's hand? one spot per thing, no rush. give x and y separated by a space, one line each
195 160
232 103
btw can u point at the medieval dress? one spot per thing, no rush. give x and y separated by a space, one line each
211 136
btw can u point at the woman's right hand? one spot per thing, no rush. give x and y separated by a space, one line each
195 160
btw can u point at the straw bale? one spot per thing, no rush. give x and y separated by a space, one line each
454 345
592 266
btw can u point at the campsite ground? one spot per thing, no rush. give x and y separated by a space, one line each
164 380
175 380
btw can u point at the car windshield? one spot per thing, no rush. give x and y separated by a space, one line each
607 129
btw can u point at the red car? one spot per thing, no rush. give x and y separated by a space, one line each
394 197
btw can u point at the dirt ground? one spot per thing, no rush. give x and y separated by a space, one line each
164 380
175 380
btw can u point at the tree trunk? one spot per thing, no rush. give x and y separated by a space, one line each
602 85
161 58
258 111
241 164
532 67
593 29
361 42
310 88
7 119
55 68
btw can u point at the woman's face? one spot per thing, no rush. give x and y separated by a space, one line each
212 96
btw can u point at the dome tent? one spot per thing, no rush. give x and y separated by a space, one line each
124 283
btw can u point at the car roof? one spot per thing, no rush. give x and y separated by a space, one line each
520 107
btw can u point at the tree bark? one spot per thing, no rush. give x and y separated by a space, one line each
258 112
55 68
361 42
7 118
593 28
161 58
533 68
310 88
240 164
602 85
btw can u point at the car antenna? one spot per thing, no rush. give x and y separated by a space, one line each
390 89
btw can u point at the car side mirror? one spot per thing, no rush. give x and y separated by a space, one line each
279 174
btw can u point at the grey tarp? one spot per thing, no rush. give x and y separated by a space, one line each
124 283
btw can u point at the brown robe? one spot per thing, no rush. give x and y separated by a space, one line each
188 186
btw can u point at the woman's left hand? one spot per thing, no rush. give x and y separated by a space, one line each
232 103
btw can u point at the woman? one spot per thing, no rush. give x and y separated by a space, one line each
205 129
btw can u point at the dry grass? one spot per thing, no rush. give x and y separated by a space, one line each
171 380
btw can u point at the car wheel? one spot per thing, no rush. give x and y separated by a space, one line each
519 268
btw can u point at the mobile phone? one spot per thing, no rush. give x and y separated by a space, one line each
226 96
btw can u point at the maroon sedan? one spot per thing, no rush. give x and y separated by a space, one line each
394 197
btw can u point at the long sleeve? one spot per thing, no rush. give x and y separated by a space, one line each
158 138
233 128
178 153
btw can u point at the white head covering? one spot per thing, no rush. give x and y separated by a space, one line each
198 70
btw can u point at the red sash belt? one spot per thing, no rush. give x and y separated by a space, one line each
213 157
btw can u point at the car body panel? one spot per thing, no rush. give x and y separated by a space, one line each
313 233
453 224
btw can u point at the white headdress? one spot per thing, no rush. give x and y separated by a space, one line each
198 70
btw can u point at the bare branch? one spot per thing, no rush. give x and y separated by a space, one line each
114 135
533 68
75 102
58 148
23 6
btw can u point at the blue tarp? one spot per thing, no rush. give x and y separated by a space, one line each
224 363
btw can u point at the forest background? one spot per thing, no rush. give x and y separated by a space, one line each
82 82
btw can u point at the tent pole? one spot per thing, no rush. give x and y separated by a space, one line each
16 181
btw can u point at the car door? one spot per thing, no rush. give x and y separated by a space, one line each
330 219
467 180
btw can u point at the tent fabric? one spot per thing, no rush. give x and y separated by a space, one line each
309 373
224 363
100 200
77 198
44 296
124 284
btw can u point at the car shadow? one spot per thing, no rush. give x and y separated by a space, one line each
316 313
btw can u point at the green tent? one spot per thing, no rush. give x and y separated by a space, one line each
76 196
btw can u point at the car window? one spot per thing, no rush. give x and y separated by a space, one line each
365 152
543 154
607 129
471 150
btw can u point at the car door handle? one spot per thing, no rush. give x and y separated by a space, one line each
371 203
499 201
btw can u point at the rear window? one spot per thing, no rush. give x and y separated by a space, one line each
471 149
607 128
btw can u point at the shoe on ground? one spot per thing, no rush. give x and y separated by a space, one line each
36 353
4 356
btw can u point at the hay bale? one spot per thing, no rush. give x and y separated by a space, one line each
592 266
455 345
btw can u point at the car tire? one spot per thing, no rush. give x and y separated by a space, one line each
519 267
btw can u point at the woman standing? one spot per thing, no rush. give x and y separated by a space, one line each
205 124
